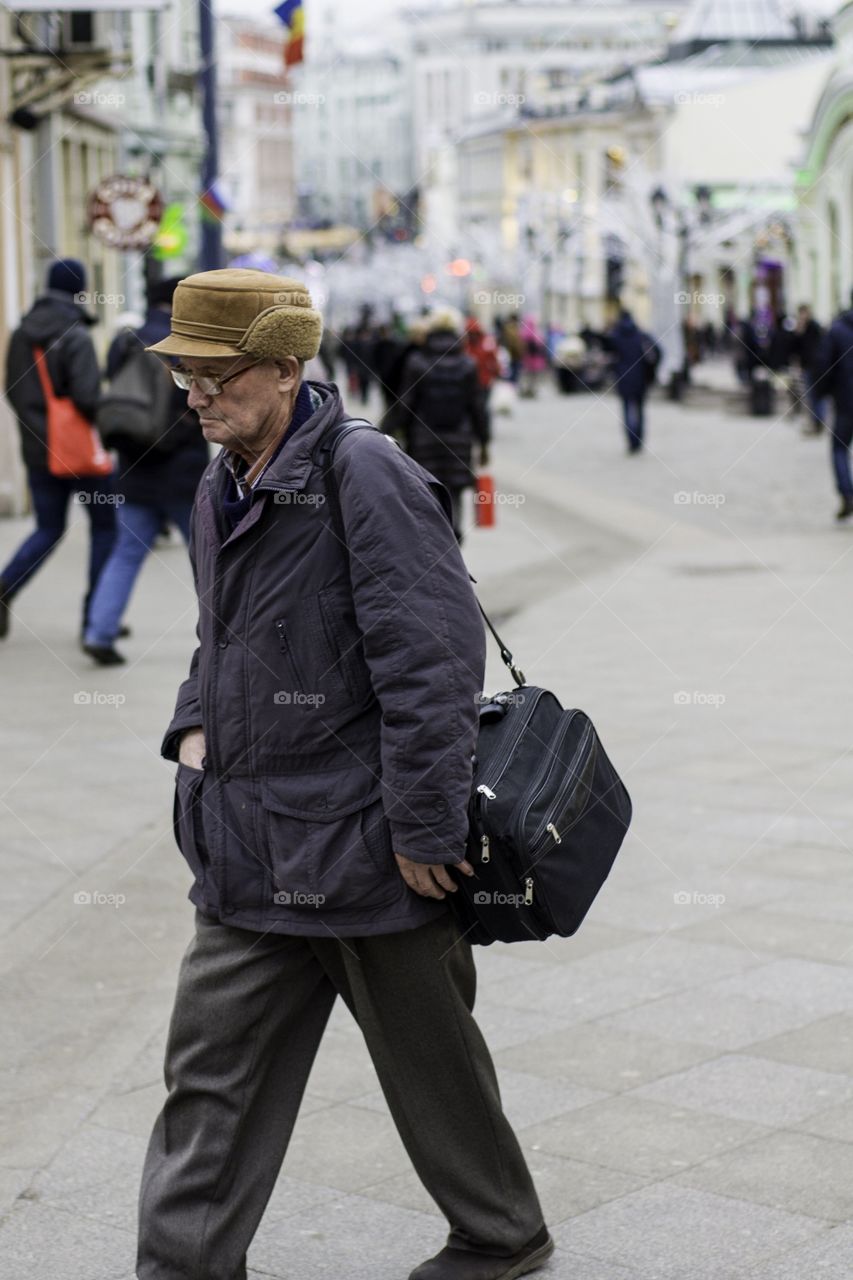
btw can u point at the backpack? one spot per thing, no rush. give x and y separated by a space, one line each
548 812
136 412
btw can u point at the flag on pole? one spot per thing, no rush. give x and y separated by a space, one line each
292 14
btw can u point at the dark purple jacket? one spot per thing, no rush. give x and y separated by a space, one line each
337 687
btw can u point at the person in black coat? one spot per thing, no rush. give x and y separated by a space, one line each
636 356
806 341
442 414
834 377
59 326
156 485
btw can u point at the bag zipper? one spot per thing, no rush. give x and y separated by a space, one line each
498 767
549 827
528 800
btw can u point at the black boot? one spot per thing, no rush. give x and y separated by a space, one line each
465 1264
845 510
104 655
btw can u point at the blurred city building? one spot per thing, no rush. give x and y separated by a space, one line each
257 173
825 184
98 89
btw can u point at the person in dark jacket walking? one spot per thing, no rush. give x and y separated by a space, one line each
806 343
834 377
636 358
157 485
324 740
59 326
442 409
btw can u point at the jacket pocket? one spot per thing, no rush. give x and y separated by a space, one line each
342 645
328 846
186 819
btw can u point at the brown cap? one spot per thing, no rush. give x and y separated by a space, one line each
241 312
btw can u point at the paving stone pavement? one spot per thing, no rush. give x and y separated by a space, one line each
681 1072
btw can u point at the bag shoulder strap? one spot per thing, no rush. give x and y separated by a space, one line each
329 442
44 376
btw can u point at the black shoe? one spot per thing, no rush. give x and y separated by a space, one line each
105 655
845 510
465 1264
124 631
4 611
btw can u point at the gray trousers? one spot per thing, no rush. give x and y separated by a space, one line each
249 1015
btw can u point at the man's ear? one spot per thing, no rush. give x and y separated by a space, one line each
288 373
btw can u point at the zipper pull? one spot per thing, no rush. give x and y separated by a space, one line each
528 891
282 635
485 852
558 839
486 791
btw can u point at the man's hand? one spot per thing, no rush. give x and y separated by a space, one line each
430 879
191 750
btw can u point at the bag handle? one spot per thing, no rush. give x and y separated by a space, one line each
44 376
328 443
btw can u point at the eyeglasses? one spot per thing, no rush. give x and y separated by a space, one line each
207 385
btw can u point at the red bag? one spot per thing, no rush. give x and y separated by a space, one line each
484 501
74 447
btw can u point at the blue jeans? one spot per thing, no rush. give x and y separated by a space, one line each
634 421
842 436
51 495
138 526
817 405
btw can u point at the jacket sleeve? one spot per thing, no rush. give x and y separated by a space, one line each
187 713
424 643
83 377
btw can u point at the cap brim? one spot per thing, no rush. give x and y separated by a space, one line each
175 345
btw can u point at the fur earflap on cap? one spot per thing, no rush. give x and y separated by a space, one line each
284 331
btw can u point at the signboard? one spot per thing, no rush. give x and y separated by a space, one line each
125 212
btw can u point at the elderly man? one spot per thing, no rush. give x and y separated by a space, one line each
324 739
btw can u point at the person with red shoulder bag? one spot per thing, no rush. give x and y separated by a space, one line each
53 385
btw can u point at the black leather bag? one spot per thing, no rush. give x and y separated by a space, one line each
548 814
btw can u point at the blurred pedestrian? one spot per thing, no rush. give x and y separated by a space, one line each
58 325
636 356
324 739
834 377
534 359
483 350
157 482
442 412
805 349
512 340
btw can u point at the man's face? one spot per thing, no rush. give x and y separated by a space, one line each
241 416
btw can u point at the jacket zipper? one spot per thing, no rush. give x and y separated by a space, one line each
285 648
